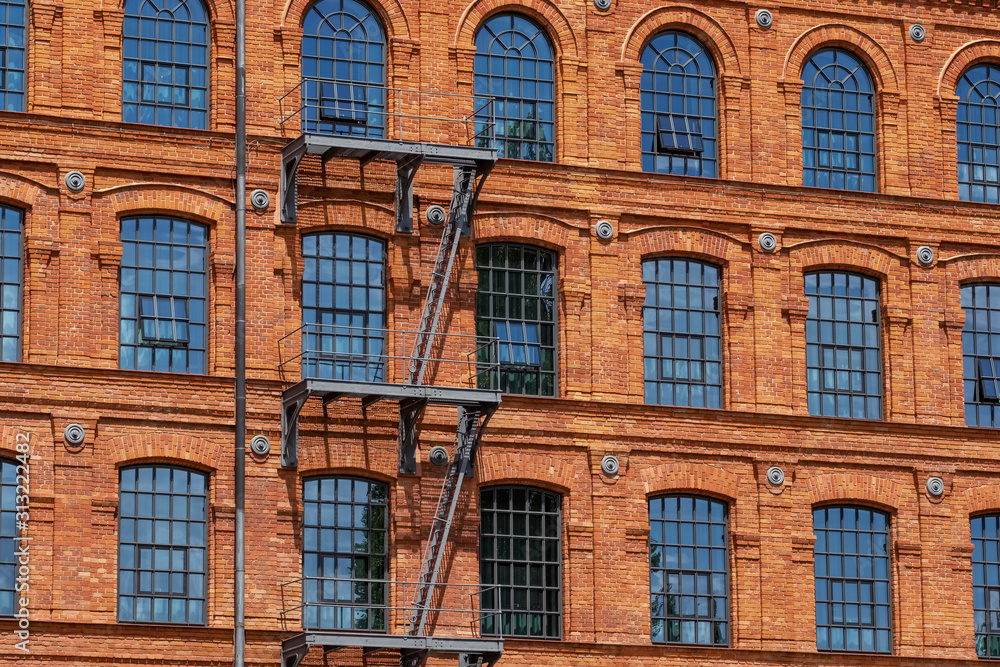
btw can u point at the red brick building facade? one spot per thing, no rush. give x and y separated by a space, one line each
69 333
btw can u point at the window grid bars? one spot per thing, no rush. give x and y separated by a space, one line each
343 69
165 63
162 546
980 343
689 570
843 345
514 65
853 590
163 257
11 275
8 531
520 562
678 81
838 123
13 53
343 307
515 302
682 344
345 554
986 584
978 134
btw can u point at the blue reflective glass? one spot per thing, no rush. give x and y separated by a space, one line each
978 133
11 285
13 55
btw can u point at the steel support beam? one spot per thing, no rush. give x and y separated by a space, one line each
406 170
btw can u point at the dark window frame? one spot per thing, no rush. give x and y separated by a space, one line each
8 531
156 544
981 307
14 99
660 590
986 584
11 282
659 104
978 175
551 620
824 570
151 65
315 598
844 341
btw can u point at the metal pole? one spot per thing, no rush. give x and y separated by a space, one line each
239 548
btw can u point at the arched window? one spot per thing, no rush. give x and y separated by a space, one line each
520 556
162 545
343 69
8 531
838 123
843 345
165 63
678 101
978 133
163 295
682 344
13 50
516 304
514 65
852 580
11 273
343 307
345 560
689 570
986 584
981 354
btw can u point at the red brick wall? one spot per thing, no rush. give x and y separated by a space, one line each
69 368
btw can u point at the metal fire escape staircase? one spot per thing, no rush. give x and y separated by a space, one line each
474 406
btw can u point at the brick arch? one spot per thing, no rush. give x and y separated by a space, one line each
841 253
685 19
695 241
523 468
8 441
546 13
698 477
971 268
871 53
219 11
348 215
389 11
20 191
168 448
182 201
542 230
985 498
962 59
852 487
350 471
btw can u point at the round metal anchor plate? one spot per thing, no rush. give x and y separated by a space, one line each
775 475
74 434
935 486
610 465
260 445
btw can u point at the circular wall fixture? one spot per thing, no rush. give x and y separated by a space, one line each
604 230
610 465
917 32
775 475
603 5
74 434
925 255
260 199
260 445
435 215
935 486
764 18
438 456
75 181
768 242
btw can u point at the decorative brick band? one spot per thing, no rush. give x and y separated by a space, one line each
698 477
853 487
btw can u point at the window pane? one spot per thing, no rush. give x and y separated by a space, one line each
164 55
343 307
11 269
978 133
520 562
678 103
981 353
163 562
345 554
852 580
516 304
514 64
838 123
843 346
13 17
343 69
158 316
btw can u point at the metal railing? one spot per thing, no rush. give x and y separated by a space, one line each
317 611
353 108
367 354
